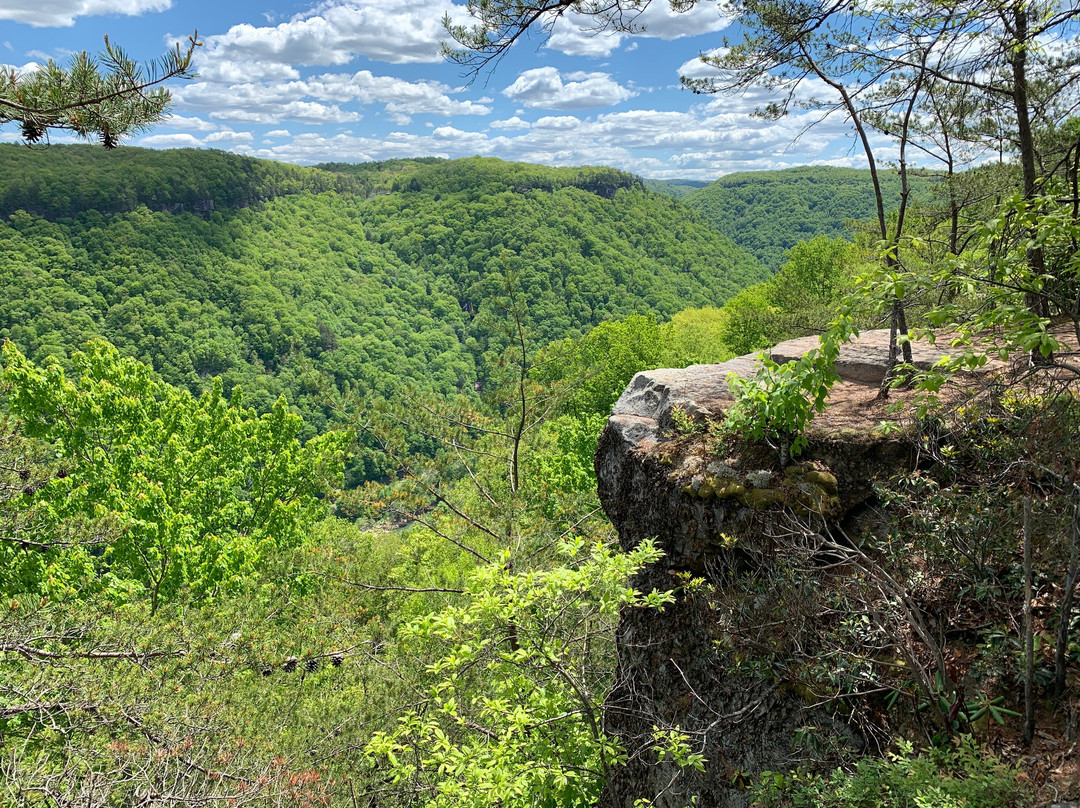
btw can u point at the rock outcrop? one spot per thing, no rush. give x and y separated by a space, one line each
728 520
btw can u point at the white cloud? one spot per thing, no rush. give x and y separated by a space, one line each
229 136
510 123
62 13
568 38
697 69
230 71
578 34
400 96
544 87
279 133
192 123
658 20
396 31
178 141
23 70
325 95
306 111
559 123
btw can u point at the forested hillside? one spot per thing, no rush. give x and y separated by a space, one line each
404 285
63 181
675 188
769 212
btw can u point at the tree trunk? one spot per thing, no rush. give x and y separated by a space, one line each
1025 141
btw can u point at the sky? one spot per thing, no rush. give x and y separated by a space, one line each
360 80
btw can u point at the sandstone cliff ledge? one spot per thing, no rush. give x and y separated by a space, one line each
735 520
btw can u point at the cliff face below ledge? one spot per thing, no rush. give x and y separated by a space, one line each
730 520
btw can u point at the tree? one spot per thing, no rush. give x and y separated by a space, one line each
198 490
107 97
514 676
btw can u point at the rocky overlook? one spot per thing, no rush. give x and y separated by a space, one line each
726 518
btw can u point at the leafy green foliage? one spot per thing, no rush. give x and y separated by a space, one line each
751 321
768 212
200 489
802 298
566 463
960 777
988 289
696 337
509 717
817 271
67 181
309 290
598 366
779 401
675 188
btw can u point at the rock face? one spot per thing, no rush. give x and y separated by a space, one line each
723 518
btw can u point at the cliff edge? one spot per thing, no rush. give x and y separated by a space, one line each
734 526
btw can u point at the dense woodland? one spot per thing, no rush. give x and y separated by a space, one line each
368 289
769 212
297 497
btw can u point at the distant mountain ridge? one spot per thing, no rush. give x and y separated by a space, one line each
368 276
64 181
677 188
769 212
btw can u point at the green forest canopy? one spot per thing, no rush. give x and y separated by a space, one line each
370 277
769 212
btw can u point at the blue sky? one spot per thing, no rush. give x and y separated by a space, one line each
360 80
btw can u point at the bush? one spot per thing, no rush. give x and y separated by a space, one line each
963 776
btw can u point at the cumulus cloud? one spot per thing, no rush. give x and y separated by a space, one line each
177 141
229 136
544 87
510 123
808 91
572 40
396 31
62 13
230 71
699 143
578 34
22 70
658 20
191 123
217 140
321 99
305 111
400 96
697 69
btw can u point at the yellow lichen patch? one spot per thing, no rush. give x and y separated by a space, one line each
732 489
762 498
823 480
